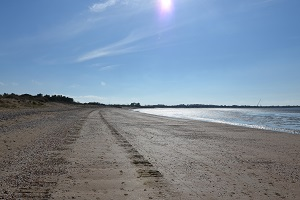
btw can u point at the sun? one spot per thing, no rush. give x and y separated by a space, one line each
166 5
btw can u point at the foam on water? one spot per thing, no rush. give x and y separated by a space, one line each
277 119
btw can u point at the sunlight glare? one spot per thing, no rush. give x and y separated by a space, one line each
166 5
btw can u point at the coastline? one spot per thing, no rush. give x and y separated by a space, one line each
210 160
121 154
245 119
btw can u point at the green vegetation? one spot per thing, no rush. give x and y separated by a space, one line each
26 100
38 98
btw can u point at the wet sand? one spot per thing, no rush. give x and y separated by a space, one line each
113 153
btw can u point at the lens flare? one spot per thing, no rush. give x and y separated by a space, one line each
166 5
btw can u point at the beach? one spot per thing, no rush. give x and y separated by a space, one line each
111 153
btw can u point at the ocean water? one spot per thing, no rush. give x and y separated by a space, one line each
277 119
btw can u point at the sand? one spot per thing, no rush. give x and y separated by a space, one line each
109 153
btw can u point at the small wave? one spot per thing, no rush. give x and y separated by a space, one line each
266 119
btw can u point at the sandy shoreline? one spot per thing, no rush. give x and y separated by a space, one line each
120 154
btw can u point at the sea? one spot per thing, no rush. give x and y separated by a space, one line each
276 119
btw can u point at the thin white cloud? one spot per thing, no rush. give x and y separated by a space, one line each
103 67
120 47
100 7
124 46
109 67
2 84
136 5
103 83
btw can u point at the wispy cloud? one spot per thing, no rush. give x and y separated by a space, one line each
108 67
1 84
126 45
138 5
100 7
121 47
103 83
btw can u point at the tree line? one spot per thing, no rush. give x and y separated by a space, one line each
39 97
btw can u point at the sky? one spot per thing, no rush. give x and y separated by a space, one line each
232 52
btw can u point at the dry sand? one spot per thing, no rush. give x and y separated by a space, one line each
31 141
107 153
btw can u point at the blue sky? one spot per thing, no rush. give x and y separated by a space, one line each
153 51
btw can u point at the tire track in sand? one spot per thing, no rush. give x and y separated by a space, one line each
144 167
104 165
